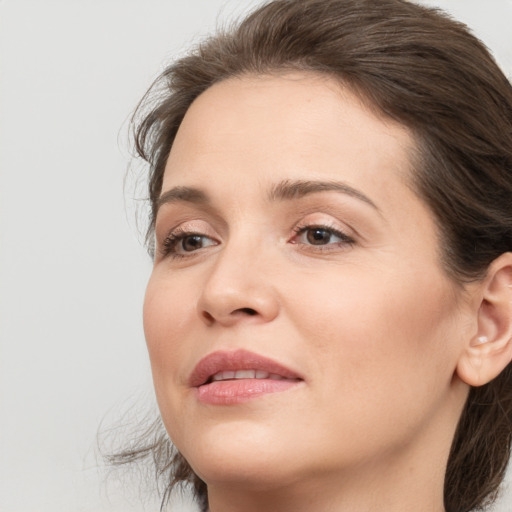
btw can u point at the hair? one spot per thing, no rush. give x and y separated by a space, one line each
416 66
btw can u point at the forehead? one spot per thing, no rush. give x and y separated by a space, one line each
277 124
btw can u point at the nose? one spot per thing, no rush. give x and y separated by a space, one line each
239 288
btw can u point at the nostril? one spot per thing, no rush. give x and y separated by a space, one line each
209 318
239 313
247 311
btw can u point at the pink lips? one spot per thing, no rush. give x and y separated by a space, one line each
231 390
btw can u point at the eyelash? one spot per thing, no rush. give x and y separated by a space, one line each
174 238
178 235
344 238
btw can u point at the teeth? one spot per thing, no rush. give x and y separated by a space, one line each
246 374
224 376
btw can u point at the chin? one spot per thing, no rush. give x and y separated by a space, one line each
241 455
256 474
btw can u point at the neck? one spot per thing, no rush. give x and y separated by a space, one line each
370 489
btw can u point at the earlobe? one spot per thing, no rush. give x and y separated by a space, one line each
481 339
489 351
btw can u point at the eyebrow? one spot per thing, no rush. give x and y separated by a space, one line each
185 194
284 190
289 189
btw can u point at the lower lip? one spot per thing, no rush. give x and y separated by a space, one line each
229 392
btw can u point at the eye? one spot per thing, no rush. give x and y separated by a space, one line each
179 244
321 235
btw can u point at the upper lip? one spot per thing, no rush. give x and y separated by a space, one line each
240 359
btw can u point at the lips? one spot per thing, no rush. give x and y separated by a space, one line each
224 378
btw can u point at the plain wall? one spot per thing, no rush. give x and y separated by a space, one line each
72 268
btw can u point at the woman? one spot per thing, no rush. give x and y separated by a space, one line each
329 317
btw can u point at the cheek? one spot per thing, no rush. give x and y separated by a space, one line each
374 310
167 314
375 333
379 356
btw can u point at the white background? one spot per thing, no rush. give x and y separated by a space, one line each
72 269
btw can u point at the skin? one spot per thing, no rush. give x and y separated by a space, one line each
374 326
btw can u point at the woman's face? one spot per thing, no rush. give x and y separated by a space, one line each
290 247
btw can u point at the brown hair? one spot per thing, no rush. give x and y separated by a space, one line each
419 67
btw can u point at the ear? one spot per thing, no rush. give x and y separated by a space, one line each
489 351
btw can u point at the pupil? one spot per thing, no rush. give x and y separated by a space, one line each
191 243
318 236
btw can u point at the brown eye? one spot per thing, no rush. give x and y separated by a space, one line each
318 236
321 236
182 244
192 243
